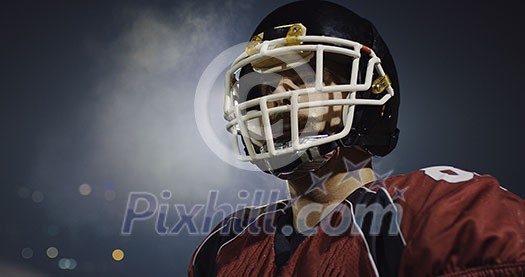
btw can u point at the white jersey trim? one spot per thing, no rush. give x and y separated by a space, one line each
397 215
363 238
255 220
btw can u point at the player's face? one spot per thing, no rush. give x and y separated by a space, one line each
312 120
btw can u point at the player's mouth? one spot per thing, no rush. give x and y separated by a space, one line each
285 140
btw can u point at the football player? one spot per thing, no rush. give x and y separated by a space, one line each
312 99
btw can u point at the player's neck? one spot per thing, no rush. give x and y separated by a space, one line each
329 186
327 189
348 168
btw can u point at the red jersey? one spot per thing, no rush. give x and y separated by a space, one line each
436 221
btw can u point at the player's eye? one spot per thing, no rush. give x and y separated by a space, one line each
270 81
302 75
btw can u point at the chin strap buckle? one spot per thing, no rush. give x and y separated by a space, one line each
294 32
251 48
380 84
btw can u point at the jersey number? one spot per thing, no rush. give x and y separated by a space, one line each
439 173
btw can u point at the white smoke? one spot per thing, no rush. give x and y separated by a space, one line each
140 127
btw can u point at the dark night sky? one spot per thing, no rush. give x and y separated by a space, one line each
102 93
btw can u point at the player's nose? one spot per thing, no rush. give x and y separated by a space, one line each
285 84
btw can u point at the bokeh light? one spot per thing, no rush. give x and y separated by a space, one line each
52 252
85 189
110 195
53 230
27 253
67 263
24 192
118 255
37 196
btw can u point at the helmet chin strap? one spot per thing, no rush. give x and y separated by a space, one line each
302 163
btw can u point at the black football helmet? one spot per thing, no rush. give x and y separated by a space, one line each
311 38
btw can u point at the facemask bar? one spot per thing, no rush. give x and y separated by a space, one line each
236 114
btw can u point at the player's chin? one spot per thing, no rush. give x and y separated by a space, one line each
320 126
